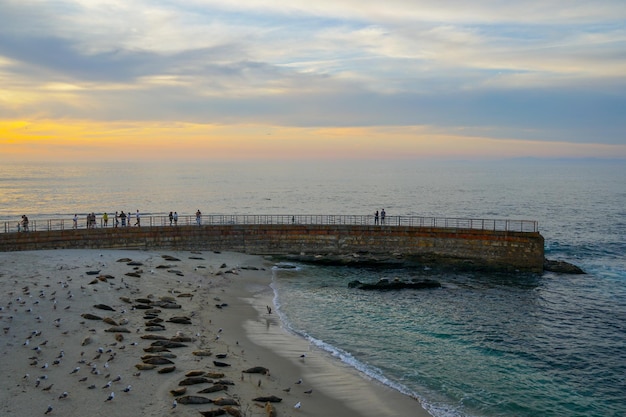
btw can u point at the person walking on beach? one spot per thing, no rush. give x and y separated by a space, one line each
382 216
175 218
75 222
198 217
105 219
137 222
376 217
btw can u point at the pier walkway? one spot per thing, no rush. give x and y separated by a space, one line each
476 243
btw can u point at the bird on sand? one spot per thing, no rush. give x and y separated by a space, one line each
110 397
49 410
298 405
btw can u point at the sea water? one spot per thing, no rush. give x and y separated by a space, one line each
485 344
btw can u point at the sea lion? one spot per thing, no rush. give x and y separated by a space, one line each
214 388
141 306
213 413
214 374
133 274
178 391
193 380
185 295
204 352
235 412
180 320
155 349
145 366
182 339
104 307
195 373
256 370
87 340
155 329
221 364
154 337
90 316
110 321
160 354
225 382
268 399
157 360
119 337
92 272
167 370
126 300
143 300
117 329
167 344
194 399
225 401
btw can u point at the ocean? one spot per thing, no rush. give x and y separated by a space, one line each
483 345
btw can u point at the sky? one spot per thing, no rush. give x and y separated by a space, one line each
125 80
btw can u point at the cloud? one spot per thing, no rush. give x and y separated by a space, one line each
513 70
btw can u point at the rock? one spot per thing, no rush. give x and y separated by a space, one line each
561 267
385 285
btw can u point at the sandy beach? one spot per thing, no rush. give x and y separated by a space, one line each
82 328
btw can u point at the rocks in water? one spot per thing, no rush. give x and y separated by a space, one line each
385 284
561 267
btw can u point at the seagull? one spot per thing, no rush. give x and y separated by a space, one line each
298 405
82 379
298 382
309 391
287 389
45 366
174 404
108 385
118 378
127 389
49 410
75 370
64 395
110 397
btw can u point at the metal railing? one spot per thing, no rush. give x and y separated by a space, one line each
529 226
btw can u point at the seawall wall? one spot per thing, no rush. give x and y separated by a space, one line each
505 250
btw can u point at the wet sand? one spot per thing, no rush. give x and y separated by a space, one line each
52 355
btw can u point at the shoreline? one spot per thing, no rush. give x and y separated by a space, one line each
48 348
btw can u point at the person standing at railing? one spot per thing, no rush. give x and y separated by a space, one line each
376 217
117 219
198 217
138 221
25 223
75 222
123 218
175 218
382 216
105 218
171 217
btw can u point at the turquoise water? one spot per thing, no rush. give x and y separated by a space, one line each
483 345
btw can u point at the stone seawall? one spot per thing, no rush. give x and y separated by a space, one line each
522 251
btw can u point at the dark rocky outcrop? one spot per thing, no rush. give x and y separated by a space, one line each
561 267
386 285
